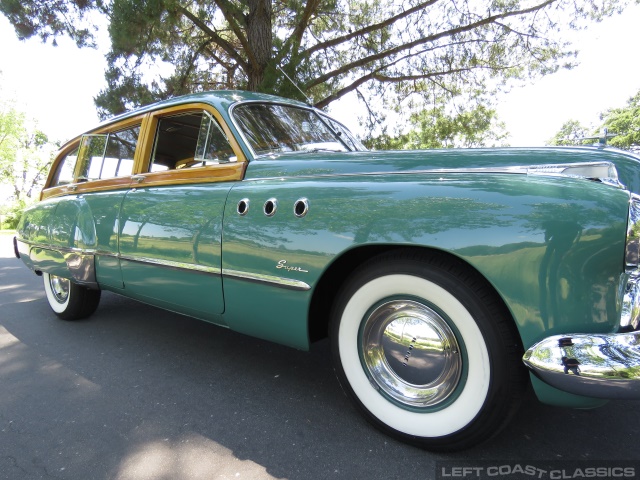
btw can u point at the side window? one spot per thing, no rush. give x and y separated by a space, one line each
186 140
91 154
108 156
66 167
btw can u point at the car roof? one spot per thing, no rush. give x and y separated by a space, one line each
221 99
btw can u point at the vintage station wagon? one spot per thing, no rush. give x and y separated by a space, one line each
447 281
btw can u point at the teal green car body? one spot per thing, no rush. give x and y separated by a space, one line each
552 246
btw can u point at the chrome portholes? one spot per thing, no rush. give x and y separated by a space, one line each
270 207
411 353
243 207
301 207
59 288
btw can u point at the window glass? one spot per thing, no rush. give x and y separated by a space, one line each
187 140
108 156
66 168
213 145
109 167
121 148
345 135
273 128
91 155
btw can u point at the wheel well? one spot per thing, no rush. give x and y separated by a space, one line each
339 271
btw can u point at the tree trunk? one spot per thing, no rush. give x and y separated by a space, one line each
259 25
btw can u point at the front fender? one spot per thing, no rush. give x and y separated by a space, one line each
552 247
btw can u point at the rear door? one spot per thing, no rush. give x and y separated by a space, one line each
170 233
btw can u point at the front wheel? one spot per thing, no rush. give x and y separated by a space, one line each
68 300
427 351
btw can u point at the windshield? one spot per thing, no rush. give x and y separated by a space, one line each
345 135
271 128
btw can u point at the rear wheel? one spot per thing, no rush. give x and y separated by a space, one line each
68 300
427 351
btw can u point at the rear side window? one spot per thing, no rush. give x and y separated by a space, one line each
187 140
108 156
66 167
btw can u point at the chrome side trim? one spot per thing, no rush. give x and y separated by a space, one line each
596 365
172 264
57 248
252 277
269 279
81 265
556 170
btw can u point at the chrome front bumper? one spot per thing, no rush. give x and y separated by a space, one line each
592 365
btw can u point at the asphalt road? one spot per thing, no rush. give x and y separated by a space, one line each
139 393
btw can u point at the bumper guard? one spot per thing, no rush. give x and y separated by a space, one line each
592 365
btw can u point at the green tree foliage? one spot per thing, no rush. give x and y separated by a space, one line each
50 18
622 125
625 123
384 50
434 128
25 158
572 132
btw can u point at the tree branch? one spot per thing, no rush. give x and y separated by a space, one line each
303 23
224 44
375 75
192 63
368 29
421 41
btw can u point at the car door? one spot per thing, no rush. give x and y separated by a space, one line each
89 181
171 221
105 166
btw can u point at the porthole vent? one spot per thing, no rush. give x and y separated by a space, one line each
243 207
301 207
270 207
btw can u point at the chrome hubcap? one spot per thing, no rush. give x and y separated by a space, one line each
59 288
411 353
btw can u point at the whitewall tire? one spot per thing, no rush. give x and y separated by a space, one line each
426 350
68 300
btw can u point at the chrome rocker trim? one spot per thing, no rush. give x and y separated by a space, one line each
81 265
592 365
170 264
282 282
